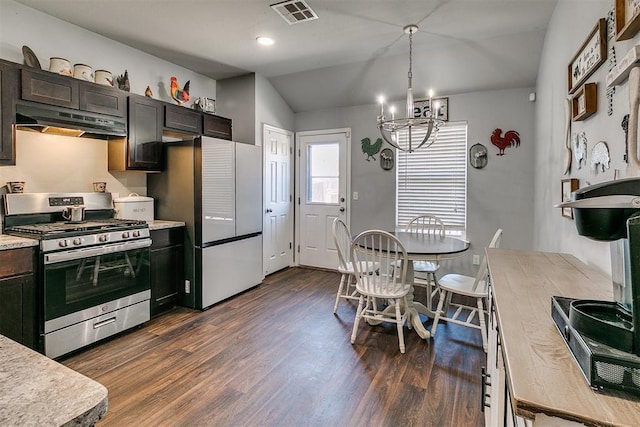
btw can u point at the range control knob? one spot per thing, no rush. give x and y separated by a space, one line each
103 238
136 233
77 241
125 235
63 243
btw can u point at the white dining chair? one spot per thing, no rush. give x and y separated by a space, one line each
466 286
342 241
376 255
425 271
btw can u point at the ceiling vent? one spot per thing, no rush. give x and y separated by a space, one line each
294 11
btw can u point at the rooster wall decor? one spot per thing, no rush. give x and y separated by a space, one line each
511 139
369 149
179 95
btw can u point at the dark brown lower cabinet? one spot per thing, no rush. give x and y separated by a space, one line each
18 297
167 268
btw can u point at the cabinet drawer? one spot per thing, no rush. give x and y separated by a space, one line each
50 88
216 126
184 119
102 99
16 261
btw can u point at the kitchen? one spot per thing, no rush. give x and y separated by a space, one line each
517 193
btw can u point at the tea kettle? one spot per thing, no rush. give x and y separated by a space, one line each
73 213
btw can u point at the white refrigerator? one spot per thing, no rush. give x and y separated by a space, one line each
215 187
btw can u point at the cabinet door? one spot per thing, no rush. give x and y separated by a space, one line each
167 268
182 119
102 99
8 97
166 275
216 126
50 88
145 134
18 310
18 313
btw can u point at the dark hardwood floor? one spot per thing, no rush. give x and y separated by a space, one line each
277 356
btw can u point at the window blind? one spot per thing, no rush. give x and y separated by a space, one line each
434 180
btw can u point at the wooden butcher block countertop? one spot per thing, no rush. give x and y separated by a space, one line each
542 376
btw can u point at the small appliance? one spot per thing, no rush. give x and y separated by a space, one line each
134 207
604 336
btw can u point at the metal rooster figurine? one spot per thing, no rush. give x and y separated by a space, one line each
179 95
369 149
511 139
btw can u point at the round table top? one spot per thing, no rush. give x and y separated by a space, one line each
420 245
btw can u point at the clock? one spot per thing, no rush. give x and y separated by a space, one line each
478 156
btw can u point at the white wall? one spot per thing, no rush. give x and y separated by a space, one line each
570 25
251 102
500 195
48 36
237 101
271 108
55 163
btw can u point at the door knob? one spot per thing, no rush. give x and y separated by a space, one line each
268 211
341 209
342 199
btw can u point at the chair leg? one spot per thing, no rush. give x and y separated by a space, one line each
483 327
399 324
343 279
436 319
358 317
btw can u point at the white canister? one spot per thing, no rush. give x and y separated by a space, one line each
134 207
83 72
60 66
104 77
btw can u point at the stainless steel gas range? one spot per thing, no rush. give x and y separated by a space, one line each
93 271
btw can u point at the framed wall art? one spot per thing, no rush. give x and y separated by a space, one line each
627 19
421 107
584 102
589 57
568 187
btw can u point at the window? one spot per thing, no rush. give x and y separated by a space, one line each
434 180
323 169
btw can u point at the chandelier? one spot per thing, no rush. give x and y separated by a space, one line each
423 127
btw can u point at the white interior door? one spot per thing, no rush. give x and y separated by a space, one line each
278 199
322 193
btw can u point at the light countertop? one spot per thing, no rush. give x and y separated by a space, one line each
38 391
159 224
12 242
542 375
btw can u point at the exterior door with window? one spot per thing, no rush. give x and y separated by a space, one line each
323 194
278 199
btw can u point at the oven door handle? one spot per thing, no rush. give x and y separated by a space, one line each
95 251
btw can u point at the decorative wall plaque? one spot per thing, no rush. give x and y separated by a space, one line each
589 57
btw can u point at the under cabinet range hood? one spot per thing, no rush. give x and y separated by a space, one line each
68 122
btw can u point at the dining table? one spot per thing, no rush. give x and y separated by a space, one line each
425 247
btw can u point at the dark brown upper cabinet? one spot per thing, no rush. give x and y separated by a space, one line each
50 88
216 126
182 119
142 149
8 97
62 91
102 99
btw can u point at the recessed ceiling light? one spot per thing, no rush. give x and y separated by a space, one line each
265 41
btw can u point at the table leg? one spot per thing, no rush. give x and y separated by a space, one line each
415 308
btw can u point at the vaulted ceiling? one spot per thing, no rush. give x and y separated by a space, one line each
354 51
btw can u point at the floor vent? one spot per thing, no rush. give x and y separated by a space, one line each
294 11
